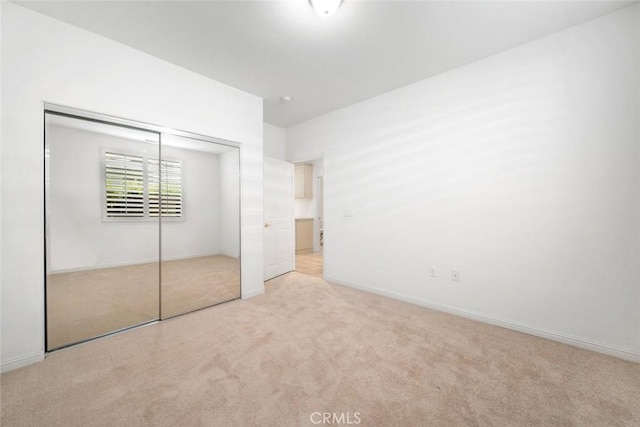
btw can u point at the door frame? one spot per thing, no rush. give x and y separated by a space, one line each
311 158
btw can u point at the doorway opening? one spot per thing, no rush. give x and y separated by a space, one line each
309 214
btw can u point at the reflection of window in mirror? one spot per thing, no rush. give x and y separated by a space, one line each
164 179
110 192
135 183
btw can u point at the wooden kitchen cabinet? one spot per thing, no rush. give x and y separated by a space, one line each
304 234
303 181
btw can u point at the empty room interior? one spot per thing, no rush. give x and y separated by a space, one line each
320 212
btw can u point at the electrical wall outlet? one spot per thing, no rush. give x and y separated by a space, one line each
455 275
432 272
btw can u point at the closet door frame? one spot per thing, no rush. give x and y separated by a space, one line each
113 120
74 113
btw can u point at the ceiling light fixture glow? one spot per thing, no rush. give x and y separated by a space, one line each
325 7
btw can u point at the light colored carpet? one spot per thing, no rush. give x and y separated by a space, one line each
90 303
308 346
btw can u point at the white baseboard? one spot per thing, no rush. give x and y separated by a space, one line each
579 342
21 362
132 263
253 293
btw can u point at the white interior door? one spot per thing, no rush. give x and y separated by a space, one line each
278 218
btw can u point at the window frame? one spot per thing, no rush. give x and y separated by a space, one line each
146 213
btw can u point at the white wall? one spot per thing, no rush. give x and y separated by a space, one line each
274 141
199 233
521 170
46 60
80 239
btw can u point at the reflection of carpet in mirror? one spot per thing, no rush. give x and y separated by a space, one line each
89 303
194 283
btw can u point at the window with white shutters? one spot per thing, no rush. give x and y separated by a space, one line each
124 179
168 175
135 184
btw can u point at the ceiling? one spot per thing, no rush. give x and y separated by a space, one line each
282 48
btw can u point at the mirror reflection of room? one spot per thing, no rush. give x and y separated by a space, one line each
140 226
102 251
201 248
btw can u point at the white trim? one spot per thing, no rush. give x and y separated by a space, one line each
308 158
316 218
119 121
21 362
251 294
572 340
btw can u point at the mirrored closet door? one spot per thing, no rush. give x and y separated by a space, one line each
102 240
140 225
200 224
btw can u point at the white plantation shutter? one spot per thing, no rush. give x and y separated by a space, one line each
171 173
153 175
132 186
124 178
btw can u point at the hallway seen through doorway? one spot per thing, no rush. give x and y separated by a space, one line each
309 263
